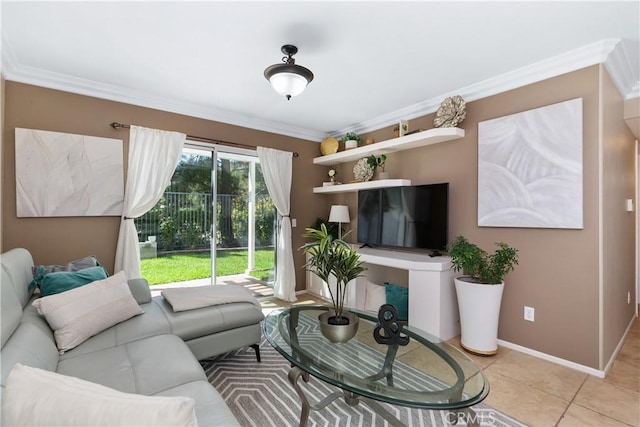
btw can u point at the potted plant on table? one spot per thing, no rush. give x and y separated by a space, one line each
336 263
479 292
351 140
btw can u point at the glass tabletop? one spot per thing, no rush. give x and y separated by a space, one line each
425 373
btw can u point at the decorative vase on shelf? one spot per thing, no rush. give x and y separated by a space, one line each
348 145
383 175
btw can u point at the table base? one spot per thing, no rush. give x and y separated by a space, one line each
353 399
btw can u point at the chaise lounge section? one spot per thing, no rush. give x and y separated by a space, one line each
154 354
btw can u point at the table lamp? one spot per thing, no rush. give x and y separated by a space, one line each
339 214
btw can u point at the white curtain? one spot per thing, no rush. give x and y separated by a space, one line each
277 168
153 157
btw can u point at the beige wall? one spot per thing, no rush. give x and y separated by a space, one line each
558 271
618 244
59 240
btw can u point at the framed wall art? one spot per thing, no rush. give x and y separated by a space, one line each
530 168
61 174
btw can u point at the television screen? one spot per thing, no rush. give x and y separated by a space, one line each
406 217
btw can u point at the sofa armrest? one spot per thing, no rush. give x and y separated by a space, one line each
140 290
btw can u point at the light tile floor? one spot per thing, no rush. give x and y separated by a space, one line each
541 393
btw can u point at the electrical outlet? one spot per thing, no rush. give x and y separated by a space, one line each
628 297
294 222
529 314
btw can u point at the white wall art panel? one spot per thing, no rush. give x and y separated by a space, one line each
530 168
61 174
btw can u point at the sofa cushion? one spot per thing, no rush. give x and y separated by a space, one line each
375 296
208 320
398 296
31 344
78 264
16 271
11 309
146 366
62 281
80 313
37 397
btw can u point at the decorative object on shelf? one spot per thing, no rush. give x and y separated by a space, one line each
479 292
329 145
451 112
402 129
351 140
288 79
547 192
389 321
333 260
378 162
332 174
362 172
369 141
339 214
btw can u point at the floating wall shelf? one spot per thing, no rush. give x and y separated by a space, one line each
368 185
420 139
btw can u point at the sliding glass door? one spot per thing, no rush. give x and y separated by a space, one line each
214 223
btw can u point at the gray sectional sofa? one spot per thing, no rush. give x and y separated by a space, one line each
155 353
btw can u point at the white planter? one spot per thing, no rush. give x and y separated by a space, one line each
479 307
383 175
350 144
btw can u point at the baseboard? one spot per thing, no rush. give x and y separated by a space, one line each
609 364
569 364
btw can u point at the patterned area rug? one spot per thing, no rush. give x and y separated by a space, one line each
260 395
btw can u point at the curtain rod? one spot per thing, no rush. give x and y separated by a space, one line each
117 125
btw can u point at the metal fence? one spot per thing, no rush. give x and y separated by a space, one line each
182 221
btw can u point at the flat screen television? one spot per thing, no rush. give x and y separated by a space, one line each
413 217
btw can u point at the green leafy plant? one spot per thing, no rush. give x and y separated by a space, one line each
332 257
481 266
377 161
350 136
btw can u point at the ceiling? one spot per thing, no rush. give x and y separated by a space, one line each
374 62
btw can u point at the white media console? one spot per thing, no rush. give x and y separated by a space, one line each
432 299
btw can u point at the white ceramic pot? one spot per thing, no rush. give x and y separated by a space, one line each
350 144
479 307
383 175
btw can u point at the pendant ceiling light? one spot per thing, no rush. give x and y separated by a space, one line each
288 79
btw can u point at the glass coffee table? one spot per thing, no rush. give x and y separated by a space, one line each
424 373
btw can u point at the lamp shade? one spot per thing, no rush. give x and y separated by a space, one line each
288 84
340 214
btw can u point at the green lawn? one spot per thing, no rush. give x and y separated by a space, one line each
180 267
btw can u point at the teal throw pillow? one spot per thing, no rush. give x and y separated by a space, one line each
60 281
398 296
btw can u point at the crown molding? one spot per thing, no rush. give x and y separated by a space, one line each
573 60
14 71
610 52
621 71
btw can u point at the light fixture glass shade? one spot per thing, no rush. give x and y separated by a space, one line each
340 214
288 84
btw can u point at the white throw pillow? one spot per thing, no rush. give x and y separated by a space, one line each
78 314
375 297
35 397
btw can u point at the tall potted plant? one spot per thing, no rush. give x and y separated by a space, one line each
479 291
334 261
